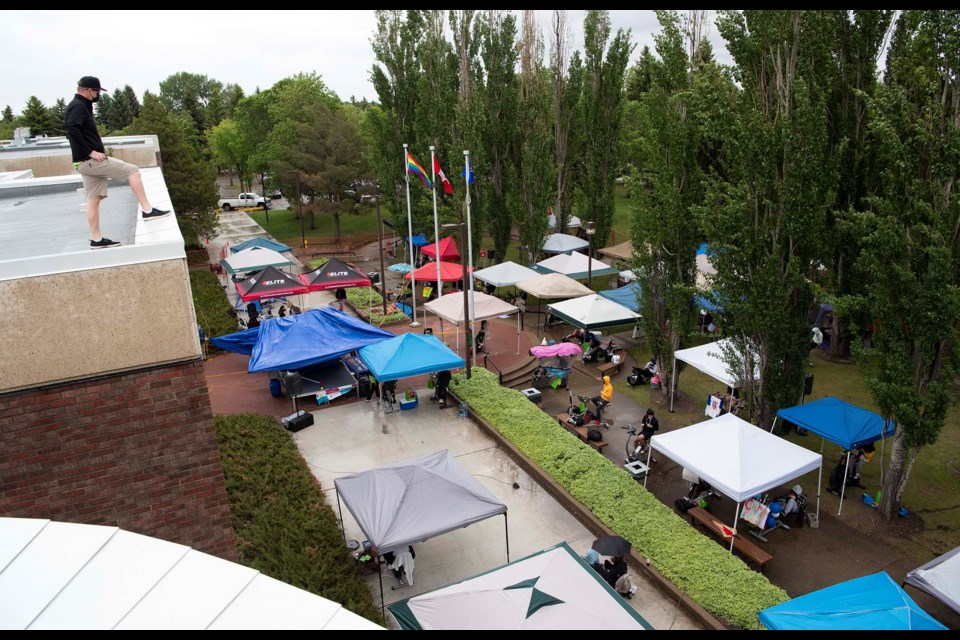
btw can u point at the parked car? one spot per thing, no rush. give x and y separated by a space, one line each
244 200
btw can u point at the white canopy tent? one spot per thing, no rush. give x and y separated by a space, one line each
449 307
737 458
572 223
563 243
553 286
254 259
551 589
505 274
57 575
574 265
593 312
940 578
414 500
708 358
624 251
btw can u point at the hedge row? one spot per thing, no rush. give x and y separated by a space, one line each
366 299
283 527
211 305
716 579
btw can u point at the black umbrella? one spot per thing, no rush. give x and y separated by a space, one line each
611 546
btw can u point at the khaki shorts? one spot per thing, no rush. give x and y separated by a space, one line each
95 175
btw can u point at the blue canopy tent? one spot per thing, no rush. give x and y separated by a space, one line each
316 336
409 354
239 342
626 296
873 602
840 422
263 243
419 240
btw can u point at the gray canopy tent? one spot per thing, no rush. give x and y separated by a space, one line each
415 500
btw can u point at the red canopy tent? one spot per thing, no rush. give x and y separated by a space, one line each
269 283
447 247
334 275
449 272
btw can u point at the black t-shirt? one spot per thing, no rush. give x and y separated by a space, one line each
649 426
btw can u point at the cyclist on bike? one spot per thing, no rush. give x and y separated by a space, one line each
606 395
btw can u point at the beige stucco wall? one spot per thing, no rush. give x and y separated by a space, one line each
70 325
58 161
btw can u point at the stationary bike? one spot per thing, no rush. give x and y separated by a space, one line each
580 411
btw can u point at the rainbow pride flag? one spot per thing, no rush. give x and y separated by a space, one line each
414 167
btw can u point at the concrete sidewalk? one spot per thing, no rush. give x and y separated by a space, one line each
349 439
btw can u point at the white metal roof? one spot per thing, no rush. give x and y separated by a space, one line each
57 575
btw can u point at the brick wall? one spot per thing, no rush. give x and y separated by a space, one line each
136 451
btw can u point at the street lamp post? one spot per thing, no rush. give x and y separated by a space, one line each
591 228
303 237
383 272
466 296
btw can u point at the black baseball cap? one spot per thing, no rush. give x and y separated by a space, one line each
90 82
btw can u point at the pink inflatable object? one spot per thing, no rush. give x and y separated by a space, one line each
559 349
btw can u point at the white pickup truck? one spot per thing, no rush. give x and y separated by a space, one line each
251 200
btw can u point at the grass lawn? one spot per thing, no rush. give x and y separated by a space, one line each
354 229
933 490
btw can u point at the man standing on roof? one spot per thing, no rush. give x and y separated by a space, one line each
91 161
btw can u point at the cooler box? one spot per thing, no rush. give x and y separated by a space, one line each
533 395
406 405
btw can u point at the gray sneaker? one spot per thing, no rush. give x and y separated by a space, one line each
103 243
155 214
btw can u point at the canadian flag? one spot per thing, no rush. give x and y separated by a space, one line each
447 187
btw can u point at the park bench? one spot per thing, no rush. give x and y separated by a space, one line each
610 365
580 432
750 551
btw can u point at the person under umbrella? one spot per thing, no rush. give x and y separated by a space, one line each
613 546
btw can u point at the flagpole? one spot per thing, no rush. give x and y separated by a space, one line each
413 270
436 227
466 157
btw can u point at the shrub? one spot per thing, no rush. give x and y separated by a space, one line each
365 298
211 305
283 527
716 579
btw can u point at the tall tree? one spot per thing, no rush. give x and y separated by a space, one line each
191 180
7 114
189 93
533 151
567 71
639 76
394 76
230 147
36 116
121 113
668 186
602 118
765 217
103 111
499 95
911 250
131 97
58 113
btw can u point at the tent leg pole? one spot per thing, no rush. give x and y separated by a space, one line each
843 484
774 425
383 605
819 489
673 383
518 353
736 515
340 511
647 474
506 534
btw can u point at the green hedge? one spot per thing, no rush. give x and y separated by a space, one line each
366 299
716 579
211 305
283 527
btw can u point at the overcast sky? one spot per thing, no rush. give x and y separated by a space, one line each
44 53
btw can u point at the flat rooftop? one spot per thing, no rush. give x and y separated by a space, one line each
43 226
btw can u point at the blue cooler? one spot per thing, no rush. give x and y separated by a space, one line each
406 405
275 387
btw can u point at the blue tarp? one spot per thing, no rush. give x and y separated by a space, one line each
840 422
869 603
409 354
704 250
626 296
319 335
419 240
263 243
239 342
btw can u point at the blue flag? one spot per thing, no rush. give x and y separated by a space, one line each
473 176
